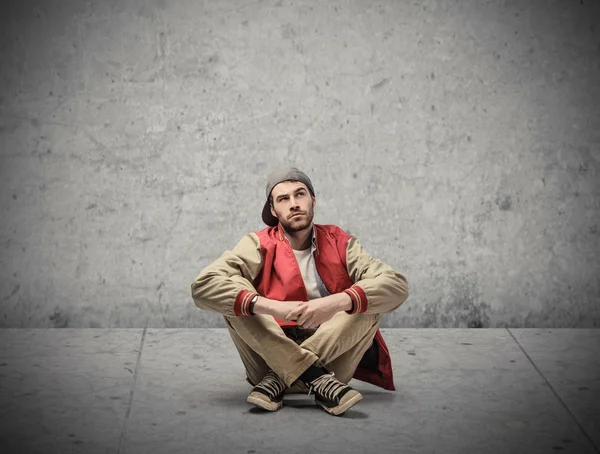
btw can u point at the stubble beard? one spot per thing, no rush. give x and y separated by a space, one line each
293 226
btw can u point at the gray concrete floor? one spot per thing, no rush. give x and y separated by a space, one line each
183 390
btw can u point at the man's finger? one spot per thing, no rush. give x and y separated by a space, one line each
291 315
294 313
303 318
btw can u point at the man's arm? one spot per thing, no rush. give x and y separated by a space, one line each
377 288
225 286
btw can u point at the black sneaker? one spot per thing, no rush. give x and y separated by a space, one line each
332 395
268 394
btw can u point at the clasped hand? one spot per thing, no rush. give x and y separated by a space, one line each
311 314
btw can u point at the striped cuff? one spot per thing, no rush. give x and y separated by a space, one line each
242 302
359 299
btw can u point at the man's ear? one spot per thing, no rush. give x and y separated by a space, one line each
273 211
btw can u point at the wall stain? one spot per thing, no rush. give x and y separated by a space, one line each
504 203
13 293
465 308
59 320
380 84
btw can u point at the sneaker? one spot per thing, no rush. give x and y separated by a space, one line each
268 394
332 395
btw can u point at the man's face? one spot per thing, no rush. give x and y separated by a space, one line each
293 198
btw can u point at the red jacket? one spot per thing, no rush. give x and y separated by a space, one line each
267 261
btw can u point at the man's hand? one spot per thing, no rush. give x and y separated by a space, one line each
316 312
278 309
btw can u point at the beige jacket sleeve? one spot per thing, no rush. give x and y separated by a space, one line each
226 285
377 287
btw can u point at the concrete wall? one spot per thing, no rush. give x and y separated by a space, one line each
459 141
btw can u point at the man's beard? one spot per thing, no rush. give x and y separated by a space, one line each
293 225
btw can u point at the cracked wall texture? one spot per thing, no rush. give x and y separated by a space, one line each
459 141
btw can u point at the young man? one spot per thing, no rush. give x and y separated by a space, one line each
303 303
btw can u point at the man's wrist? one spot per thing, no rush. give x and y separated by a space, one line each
345 303
252 303
262 306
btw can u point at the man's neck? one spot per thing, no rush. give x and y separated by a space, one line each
300 240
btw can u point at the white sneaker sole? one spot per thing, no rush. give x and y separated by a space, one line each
259 400
351 399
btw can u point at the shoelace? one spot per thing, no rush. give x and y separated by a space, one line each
326 385
272 384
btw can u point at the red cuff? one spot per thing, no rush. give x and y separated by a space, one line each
359 298
242 302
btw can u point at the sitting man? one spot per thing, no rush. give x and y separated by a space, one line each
303 303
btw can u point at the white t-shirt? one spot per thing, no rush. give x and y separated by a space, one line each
306 262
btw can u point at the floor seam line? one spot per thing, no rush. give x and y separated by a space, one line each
555 393
131 391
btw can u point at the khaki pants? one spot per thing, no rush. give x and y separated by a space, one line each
338 344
